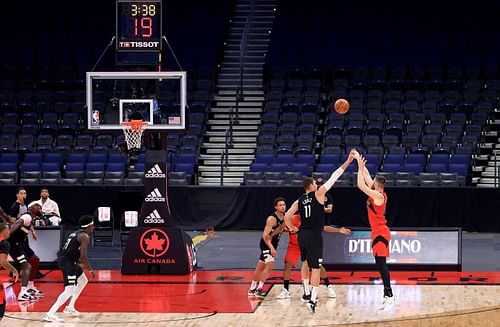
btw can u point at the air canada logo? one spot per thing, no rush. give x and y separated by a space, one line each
154 242
154 218
155 196
155 172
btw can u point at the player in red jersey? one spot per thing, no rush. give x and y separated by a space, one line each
291 258
380 234
293 255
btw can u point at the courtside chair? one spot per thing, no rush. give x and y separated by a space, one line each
103 226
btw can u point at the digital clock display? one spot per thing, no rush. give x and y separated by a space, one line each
138 25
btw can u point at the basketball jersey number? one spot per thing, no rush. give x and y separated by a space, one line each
68 240
307 211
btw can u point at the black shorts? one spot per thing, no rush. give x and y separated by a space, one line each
71 270
311 247
265 253
2 309
20 252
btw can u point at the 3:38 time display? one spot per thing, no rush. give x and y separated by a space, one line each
143 19
138 25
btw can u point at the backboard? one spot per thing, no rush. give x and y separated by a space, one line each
158 98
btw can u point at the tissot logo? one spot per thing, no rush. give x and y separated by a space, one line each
151 45
155 172
154 242
154 218
155 196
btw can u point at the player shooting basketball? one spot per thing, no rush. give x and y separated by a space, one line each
380 235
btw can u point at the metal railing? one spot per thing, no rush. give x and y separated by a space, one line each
496 170
228 144
243 52
234 112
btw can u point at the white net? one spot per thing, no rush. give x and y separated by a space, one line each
133 133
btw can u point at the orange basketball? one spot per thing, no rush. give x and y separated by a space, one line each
341 106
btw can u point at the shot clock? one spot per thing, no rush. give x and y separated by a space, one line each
138 25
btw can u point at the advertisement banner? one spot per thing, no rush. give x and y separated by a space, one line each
155 209
158 251
417 247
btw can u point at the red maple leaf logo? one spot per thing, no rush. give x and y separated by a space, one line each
154 243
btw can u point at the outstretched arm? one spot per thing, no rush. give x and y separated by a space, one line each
320 193
376 196
367 177
341 230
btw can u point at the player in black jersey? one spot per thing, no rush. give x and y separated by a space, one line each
71 258
311 207
268 246
23 255
4 253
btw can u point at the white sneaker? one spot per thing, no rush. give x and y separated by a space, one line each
71 311
52 318
285 294
388 302
35 292
26 297
331 291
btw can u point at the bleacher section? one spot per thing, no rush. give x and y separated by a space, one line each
42 92
419 100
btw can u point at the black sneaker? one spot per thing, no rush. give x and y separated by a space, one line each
306 298
260 293
311 306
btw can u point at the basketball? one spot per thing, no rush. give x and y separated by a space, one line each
341 106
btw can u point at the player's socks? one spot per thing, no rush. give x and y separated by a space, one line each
261 284
314 293
254 285
286 284
305 286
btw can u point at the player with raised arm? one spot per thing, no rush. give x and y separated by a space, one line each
312 213
380 234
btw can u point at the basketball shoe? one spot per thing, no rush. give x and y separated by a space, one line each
52 318
285 294
71 311
331 291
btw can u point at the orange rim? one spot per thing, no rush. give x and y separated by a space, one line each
135 124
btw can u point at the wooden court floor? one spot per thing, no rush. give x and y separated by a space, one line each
218 298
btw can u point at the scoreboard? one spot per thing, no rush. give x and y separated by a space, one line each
138 26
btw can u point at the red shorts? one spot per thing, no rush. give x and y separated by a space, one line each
292 255
380 244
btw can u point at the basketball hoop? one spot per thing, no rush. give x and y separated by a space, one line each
133 130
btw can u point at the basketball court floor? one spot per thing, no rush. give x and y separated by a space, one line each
217 295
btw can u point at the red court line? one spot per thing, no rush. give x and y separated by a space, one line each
207 291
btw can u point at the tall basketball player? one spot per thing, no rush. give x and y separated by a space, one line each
71 258
4 253
23 255
268 246
312 212
380 234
